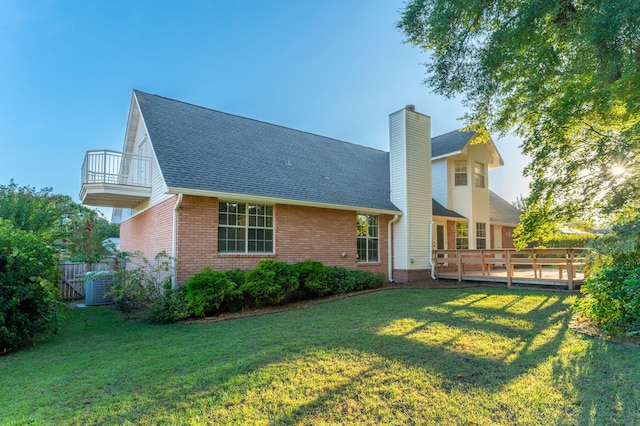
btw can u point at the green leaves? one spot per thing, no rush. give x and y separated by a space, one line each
563 75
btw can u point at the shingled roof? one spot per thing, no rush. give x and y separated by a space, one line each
501 211
450 143
440 210
201 149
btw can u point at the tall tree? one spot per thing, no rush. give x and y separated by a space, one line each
75 230
564 75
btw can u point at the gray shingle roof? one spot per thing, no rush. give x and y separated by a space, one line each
202 149
450 142
440 210
502 211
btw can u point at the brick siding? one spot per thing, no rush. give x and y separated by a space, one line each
149 232
300 233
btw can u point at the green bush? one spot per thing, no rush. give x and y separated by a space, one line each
270 281
170 307
346 281
237 276
569 240
613 287
315 278
207 291
365 280
30 301
135 290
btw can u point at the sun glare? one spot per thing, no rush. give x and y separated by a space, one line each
617 170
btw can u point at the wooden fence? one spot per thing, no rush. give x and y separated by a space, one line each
72 283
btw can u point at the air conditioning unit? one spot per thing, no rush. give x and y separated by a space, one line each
96 286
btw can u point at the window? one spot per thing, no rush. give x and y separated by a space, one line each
245 228
478 175
461 173
462 235
367 238
481 236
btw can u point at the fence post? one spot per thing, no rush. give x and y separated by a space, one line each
570 269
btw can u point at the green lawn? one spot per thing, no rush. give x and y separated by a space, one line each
464 356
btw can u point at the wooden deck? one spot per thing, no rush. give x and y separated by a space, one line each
548 267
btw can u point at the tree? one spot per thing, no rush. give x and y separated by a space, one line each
29 297
76 231
564 75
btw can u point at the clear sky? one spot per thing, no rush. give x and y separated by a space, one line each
337 68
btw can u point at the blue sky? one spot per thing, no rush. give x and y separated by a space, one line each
337 68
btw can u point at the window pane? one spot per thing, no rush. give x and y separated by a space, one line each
373 251
367 238
244 228
362 249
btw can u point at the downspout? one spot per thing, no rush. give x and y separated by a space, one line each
390 248
174 242
433 267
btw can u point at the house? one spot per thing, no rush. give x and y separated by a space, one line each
215 189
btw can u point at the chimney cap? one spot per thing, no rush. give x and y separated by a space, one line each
410 107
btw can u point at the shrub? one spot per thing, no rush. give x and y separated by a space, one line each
613 287
135 290
569 240
208 290
270 281
315 278
170 307
30 302
236 275
365 280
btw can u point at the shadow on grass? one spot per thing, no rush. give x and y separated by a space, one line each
323 361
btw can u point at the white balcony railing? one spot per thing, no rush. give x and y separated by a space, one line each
116 168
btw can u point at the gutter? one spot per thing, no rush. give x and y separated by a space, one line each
390 248
433 267
174 241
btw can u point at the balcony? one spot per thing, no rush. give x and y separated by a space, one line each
115 179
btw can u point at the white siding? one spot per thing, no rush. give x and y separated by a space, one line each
410 163
419 190
143 145
439 179
398 170
460 197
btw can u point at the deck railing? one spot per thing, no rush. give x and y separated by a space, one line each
118 168
472 264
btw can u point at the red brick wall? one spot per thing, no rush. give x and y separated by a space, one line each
300 233
150 232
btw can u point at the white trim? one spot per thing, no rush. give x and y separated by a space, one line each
449 154
272 200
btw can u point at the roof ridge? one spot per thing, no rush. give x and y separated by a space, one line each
258 121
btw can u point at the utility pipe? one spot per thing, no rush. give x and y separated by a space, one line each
174 241
390 248
433 267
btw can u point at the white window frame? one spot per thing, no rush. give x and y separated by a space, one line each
481 235
248 223
367 238
460 175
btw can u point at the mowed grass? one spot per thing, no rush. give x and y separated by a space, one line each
464 356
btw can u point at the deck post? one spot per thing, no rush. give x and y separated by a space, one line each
570 256
459 261
508 266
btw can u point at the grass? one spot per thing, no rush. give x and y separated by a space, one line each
464 356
